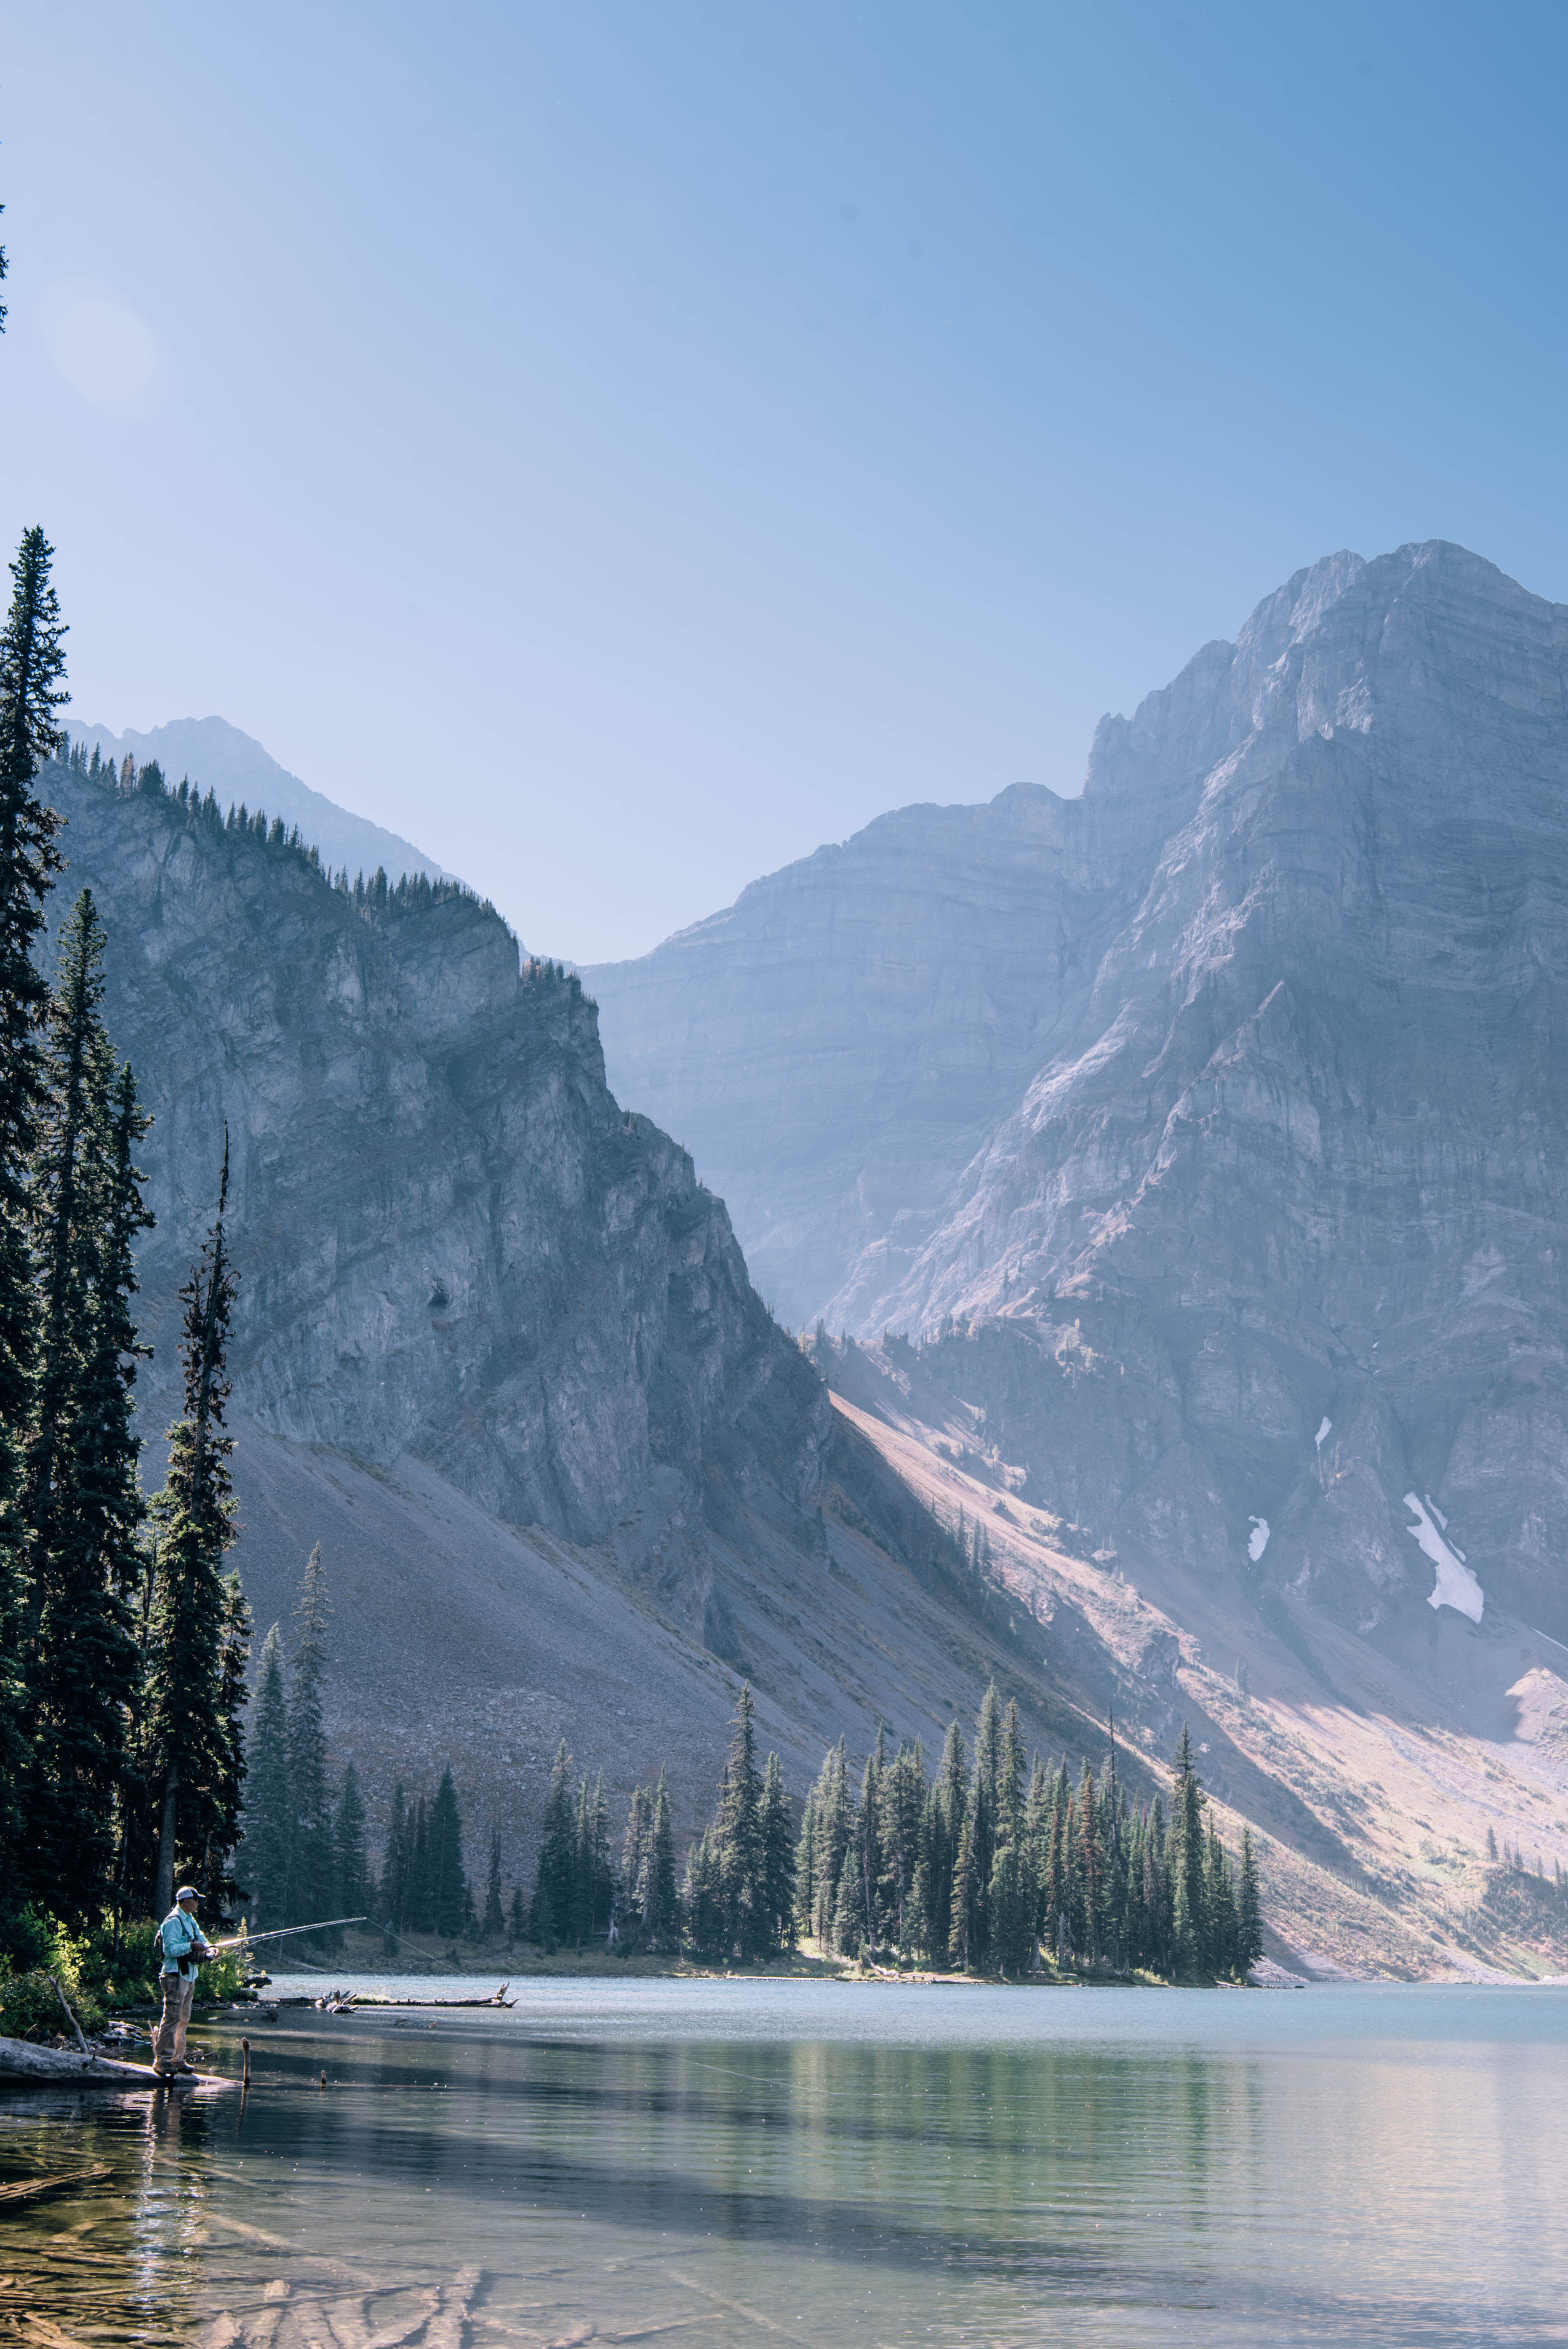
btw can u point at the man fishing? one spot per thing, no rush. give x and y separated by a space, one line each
184 1945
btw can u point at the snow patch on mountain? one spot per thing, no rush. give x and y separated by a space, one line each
1456 1585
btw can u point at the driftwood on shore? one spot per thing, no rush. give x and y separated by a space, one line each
21 2063
348 2002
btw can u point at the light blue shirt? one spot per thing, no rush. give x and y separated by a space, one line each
179 1935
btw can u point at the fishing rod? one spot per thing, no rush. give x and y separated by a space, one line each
282 1932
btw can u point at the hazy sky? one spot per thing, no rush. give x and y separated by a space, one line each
620 447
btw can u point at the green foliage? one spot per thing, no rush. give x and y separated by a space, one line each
82 1504
353 1895
30 2009
188 1747
268 1818
32 663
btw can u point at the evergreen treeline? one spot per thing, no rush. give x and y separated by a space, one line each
303 1855
995 1862
122 1642
995 1865
375 896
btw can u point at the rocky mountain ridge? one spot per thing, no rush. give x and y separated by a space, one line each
217 757
1270 1235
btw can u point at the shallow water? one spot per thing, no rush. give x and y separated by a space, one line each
725 2162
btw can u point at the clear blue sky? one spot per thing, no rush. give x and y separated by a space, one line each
622 446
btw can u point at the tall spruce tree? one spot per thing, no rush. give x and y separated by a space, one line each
421 1909
552 1918
449 1884
312 1877
353 1895
1189 1921
661 1903
945 1811
219 1884
637 1852
834 1812
777 1903
805 1888
269 1813
186 1760
82 1505
32 663
1249 1916
737 1837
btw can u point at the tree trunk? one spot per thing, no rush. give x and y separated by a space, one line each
166 1840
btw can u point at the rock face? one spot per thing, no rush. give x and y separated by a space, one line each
495 1349
453 1244
1270 1234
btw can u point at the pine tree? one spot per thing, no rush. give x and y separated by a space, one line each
661 1904
554 1884
517 1917
353 1894
269 1803
1249 1916
985 1798
1089 1854
1218 1906
1188 1923
495 1916
738 1835
903 1807
702 1896
313 1877
805 1889
582 1869
1011 1908
964 1928
421 1908
864 1859
946 1809
186 1761
448 1883
1058 1903
637 1855
82 1504
32 663
777 1903
219 1885
834 1808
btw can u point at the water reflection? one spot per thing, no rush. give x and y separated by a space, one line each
721 2161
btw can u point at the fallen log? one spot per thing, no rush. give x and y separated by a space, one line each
350 2000
22 2063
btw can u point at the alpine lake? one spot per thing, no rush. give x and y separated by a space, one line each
745 2160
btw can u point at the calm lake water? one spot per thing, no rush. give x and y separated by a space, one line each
732 2162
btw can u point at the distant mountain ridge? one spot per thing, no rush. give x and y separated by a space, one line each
236 768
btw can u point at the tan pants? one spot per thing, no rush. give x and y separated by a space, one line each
168 2039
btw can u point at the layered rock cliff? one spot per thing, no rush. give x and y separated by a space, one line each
453 1243
1271 1232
